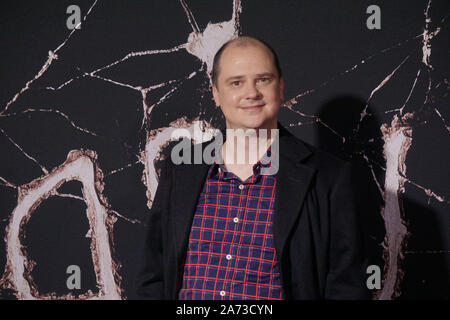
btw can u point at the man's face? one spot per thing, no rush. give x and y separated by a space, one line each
249 90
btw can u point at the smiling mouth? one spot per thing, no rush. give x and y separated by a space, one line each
255 107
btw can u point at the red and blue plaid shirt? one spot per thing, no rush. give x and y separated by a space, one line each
231 252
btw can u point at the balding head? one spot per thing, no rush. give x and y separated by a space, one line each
242 42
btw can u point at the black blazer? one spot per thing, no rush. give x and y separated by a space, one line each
317 236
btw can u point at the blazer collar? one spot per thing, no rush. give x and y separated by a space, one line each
294 177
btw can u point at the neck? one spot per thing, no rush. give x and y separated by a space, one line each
246 147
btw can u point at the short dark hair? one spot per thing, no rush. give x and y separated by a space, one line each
241 41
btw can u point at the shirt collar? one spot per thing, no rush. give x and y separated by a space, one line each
219 168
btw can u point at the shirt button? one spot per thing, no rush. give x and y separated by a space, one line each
222 293
229 257
241 186
236 220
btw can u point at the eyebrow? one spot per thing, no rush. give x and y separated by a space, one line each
259 75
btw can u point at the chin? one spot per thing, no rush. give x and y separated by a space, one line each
253 124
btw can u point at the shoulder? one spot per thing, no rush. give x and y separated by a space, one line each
323 159
309 154
329 169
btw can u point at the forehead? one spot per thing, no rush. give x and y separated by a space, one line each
245 58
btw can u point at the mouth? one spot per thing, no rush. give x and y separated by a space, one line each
255 107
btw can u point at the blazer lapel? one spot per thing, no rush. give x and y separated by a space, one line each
293 180
189 180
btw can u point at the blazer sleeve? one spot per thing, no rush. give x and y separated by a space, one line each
348 261
149 282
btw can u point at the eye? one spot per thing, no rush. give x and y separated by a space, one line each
236 83
264 80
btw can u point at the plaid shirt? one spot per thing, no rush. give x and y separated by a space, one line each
231 252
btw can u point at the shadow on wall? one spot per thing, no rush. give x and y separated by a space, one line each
425 275
427 272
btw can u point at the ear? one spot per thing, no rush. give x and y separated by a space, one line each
281 88
216 95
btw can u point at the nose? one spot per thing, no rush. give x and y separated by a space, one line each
252 91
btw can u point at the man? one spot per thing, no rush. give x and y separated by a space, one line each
227 231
